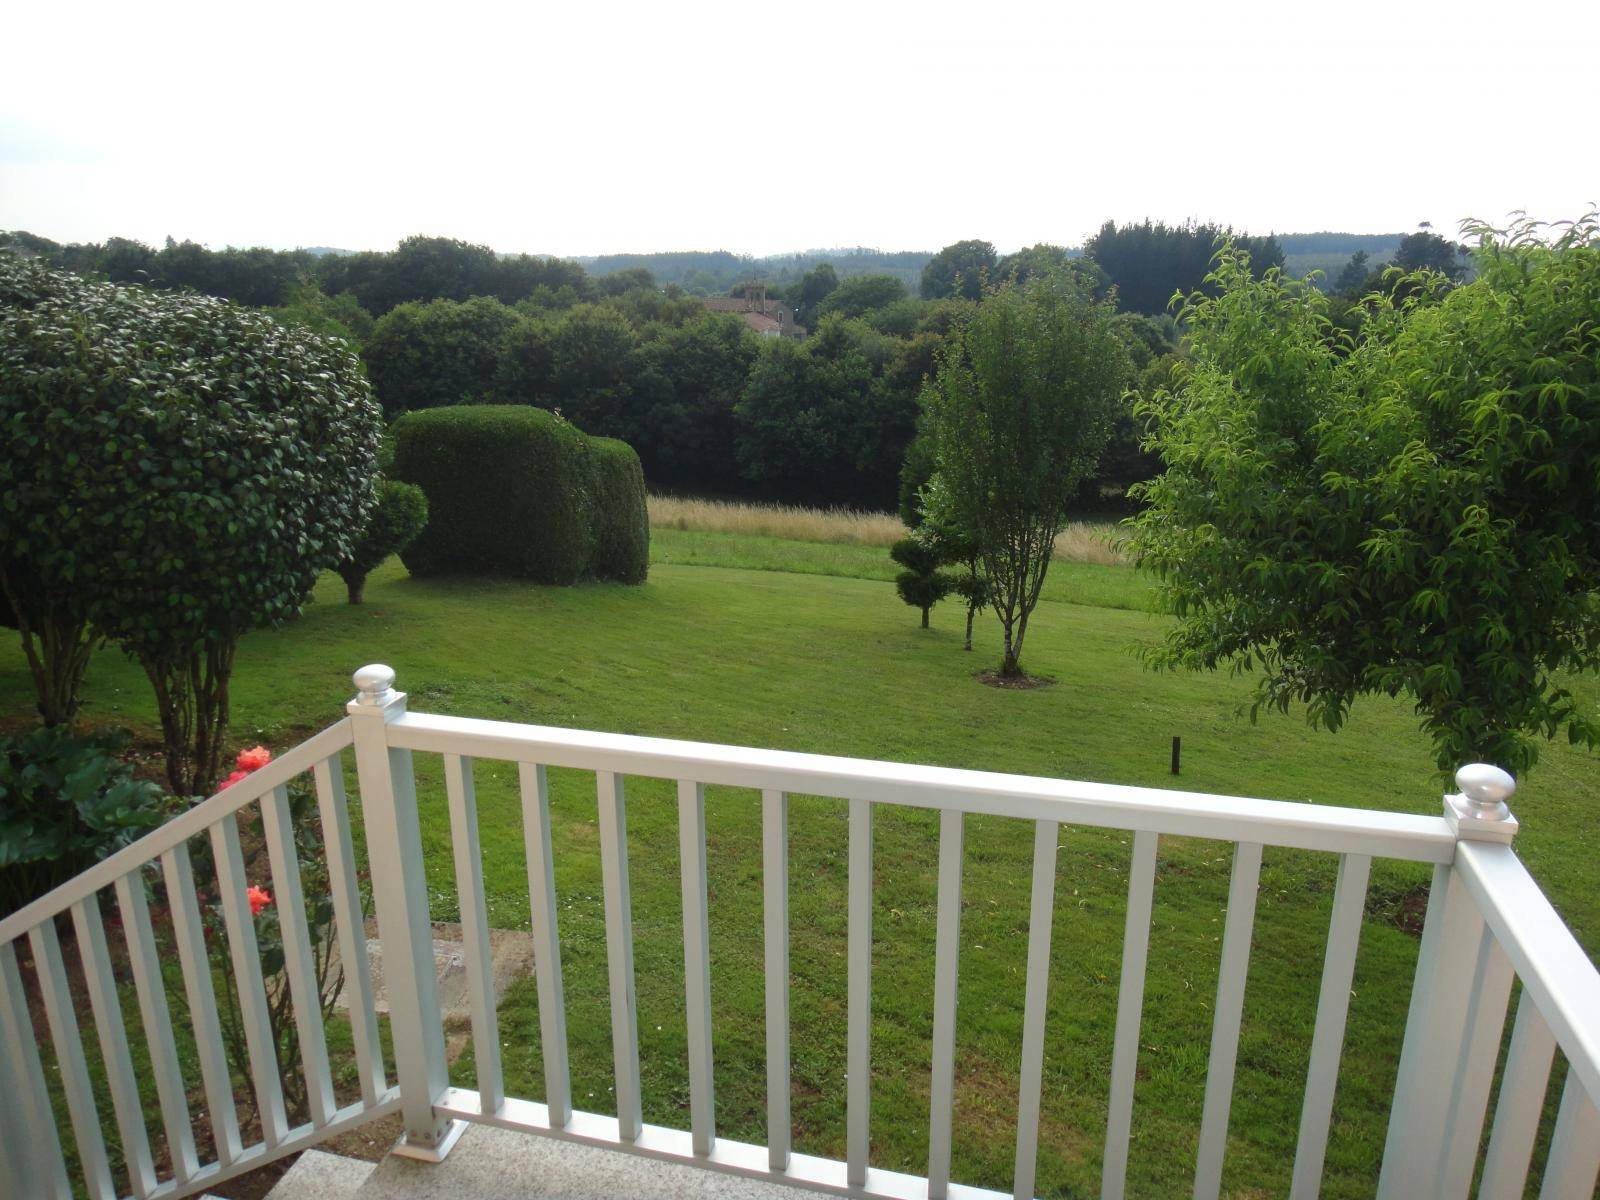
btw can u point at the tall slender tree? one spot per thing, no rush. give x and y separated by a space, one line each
1020 410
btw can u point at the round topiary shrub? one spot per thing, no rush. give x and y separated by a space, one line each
622 520
178 471
510 492
399 515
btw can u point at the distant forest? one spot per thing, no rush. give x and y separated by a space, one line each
1330 252
722 402
714 272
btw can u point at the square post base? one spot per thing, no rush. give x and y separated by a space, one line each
434 1153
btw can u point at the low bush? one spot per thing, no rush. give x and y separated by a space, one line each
520 492
400 515
65 803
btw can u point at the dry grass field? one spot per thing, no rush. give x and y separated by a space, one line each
1081 541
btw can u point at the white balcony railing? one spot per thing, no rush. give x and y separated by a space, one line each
1487 922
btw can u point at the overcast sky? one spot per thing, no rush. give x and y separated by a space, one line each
588 127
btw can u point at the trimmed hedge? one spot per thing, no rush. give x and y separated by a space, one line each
517 491
622 520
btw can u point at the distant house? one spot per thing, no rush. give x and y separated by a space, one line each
769 318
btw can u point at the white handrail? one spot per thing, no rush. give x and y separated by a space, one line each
1554 969
196 820
1487 918
1189 814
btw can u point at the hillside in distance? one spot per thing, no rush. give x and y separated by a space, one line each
714 271
1329 252
710 272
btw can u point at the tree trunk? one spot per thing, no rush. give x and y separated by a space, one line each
355 586
192 702
971 609
1010 668
57 649
925 617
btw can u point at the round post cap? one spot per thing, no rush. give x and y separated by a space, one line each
1485 785
374 681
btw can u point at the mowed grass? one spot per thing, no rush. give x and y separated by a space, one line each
831 663
1070 582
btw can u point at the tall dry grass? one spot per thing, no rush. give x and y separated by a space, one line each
1081 541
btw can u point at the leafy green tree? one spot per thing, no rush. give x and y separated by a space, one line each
123 260
179 470
1413 516
338 316
525 372
921 584
814 287
397 517
1425 250
821 422
591 360
436 268
686 383
960 269
419 269
618 282
257 276
1152 262
901 319
1020 410
1031 262
938 524
443 352
862 294
521 276
1353 277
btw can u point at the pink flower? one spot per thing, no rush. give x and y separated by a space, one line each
253 759
233 779
259 898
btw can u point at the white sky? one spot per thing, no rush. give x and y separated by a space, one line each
581 127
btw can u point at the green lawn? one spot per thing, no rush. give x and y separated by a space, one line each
805 655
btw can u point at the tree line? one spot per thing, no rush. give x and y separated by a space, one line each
709 405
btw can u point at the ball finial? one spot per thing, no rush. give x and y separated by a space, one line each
374 682
1486 786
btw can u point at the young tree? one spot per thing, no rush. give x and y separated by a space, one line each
937 523
922 584
179 470
1412 516
1019 412
399 515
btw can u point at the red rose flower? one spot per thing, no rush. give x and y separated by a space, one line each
253 759
233 779
259 898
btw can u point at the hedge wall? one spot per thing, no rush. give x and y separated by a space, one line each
517 491
622 521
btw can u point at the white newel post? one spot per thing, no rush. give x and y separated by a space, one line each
1458 1005
400 895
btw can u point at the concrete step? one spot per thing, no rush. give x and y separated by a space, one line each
318 1175
502 1164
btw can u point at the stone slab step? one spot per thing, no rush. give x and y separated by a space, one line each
318 1175
502 1164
